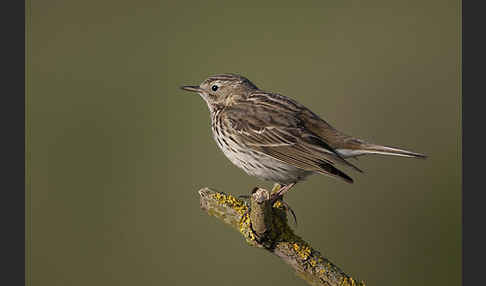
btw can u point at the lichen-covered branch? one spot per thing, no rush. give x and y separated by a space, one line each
266 227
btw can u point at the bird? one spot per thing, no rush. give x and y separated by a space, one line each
277 139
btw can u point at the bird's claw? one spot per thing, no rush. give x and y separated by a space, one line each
276 197
287 209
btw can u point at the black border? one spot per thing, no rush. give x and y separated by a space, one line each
473 145
12 119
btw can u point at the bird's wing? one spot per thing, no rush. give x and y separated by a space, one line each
282 136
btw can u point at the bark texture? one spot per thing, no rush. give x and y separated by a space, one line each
266 226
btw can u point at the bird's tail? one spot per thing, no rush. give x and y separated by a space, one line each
366 148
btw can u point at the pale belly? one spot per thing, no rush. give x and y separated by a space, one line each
259 164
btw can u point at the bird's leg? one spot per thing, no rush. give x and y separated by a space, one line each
277 195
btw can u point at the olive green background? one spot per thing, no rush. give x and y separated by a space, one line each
118 151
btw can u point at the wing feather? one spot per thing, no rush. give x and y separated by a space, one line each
291 143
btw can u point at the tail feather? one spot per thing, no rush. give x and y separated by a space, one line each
365 148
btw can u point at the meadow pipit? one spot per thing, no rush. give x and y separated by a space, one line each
274 137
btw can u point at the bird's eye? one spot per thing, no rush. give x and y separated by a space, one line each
214 87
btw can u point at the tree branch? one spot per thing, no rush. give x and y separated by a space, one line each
265 226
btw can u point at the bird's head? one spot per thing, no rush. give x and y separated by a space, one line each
222 89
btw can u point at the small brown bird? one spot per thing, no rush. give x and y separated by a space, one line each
275 138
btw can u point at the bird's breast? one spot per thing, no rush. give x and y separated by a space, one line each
253 162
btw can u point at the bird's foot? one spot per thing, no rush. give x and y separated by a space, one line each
288 209
276 195
278 191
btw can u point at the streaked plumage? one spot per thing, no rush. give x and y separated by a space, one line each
275 138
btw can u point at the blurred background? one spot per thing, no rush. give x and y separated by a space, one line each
119 151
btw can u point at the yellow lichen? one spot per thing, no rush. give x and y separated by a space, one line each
313 262
296 247
278 204
245 228
231 202
302 249
348 281
281 234
239 207
275 188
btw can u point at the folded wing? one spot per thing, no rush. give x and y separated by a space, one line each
286 140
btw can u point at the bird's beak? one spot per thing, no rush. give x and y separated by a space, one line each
192 88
